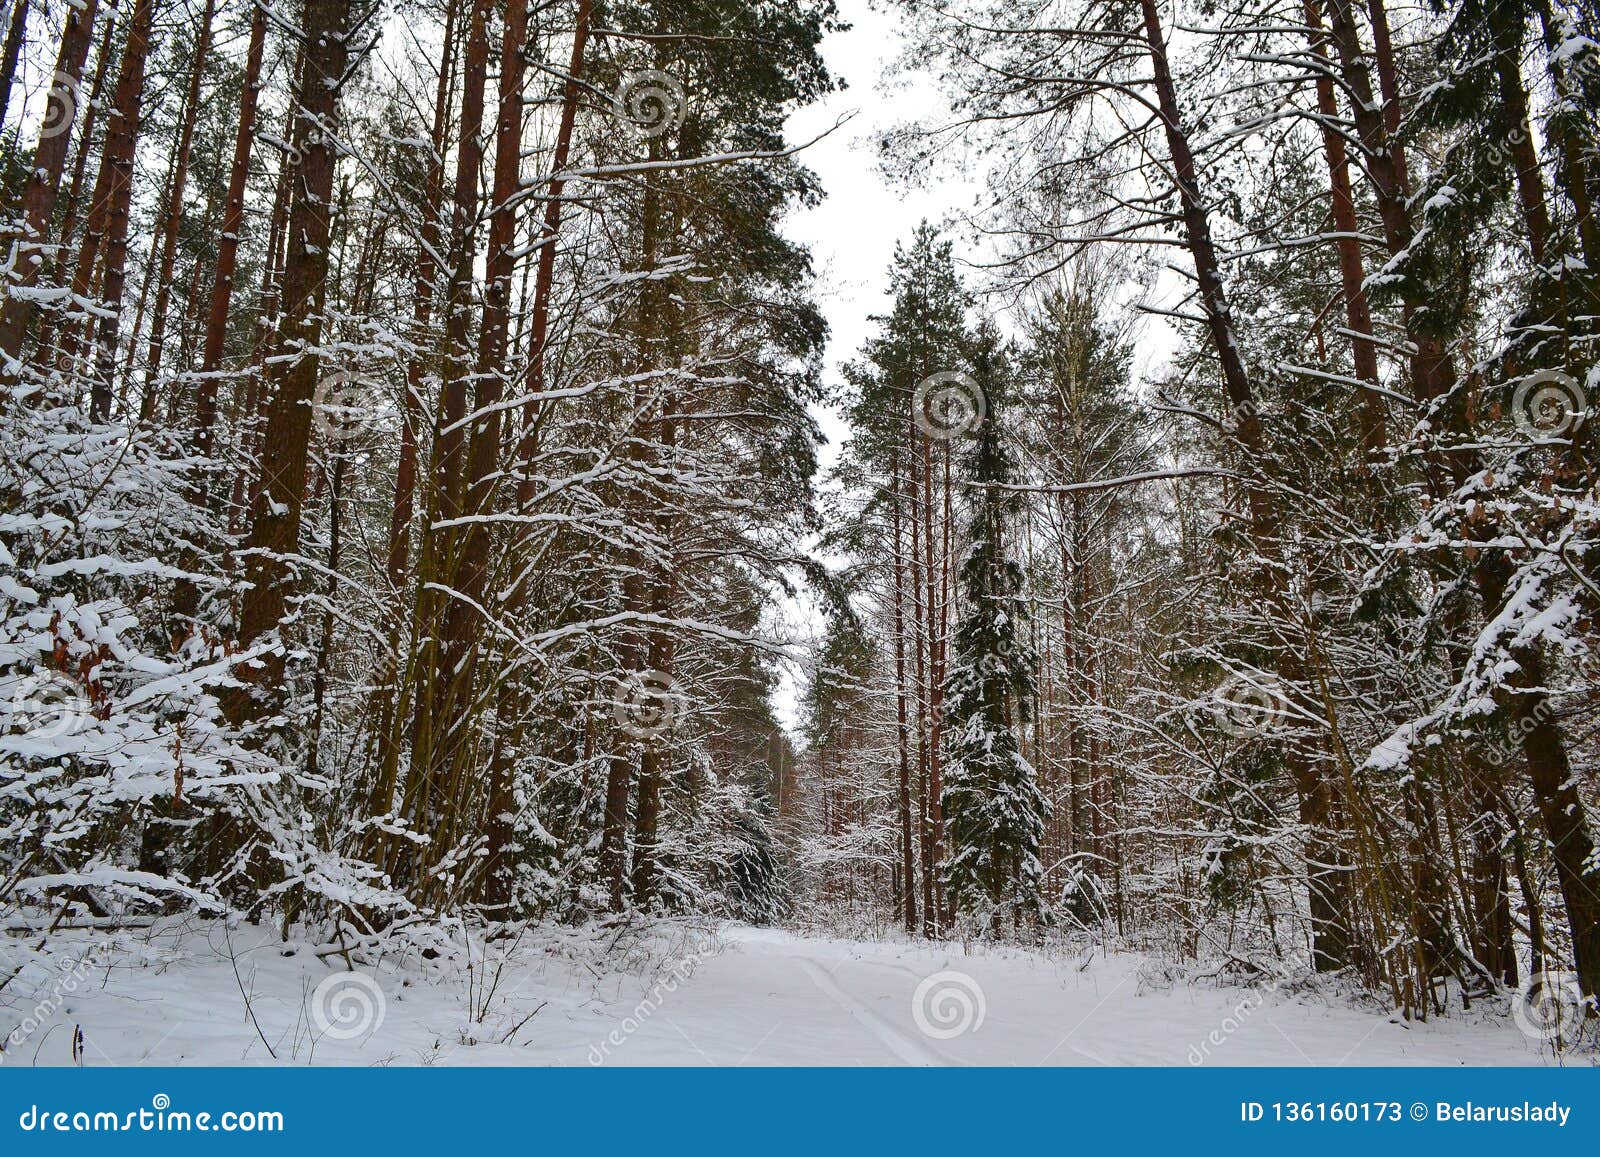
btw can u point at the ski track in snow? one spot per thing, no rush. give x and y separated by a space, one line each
897 1042
757 997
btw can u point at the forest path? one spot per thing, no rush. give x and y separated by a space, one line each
903 1046
675 995
770 996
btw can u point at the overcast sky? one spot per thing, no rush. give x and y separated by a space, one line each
852 233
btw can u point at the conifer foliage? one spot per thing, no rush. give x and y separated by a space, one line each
991 800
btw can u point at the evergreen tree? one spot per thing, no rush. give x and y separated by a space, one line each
992 804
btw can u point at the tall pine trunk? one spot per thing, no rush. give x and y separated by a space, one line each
172 219
44 175
116 166
1328 883
291 375
549 231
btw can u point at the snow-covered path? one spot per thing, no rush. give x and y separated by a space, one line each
741 997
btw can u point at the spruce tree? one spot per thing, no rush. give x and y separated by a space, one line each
992 804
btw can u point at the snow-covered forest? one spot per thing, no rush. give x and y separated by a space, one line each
441 529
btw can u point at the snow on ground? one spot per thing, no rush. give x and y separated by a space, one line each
204 993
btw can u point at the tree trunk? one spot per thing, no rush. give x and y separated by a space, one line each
116 167
1328 885
484 456
44 176
432 746
544 279
12 52
654 353
1507 30
1358 312
902 732
1386 172
291 375
216 337
173 218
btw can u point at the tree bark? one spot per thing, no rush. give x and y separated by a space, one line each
405 483
902 732
12 52
216 337
463 629
116 167
1328 885
432 744
44 176
291 375
1358 311
173 218
544 278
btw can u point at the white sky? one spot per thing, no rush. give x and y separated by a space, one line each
853 232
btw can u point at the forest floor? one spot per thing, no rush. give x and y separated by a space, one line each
202 993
